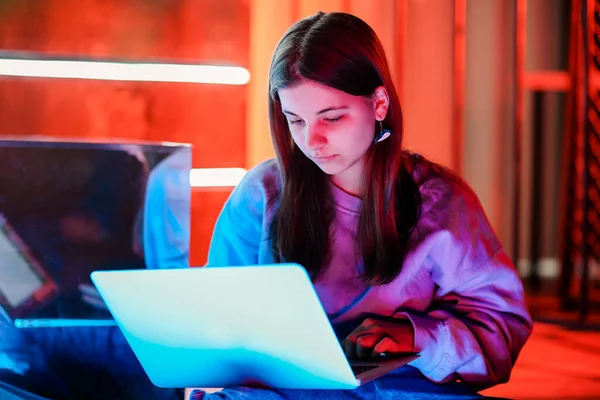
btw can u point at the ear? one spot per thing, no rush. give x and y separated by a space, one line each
381 102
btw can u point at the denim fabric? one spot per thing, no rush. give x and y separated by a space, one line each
404 383
84 363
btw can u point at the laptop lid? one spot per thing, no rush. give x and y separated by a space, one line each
75 207
25 286
218 327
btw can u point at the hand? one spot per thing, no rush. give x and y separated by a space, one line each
374 337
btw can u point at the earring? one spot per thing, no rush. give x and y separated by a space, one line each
383 134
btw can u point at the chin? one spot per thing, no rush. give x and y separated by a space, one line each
331 169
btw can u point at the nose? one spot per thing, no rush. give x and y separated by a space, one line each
314 139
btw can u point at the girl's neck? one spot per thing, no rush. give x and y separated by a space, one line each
350 180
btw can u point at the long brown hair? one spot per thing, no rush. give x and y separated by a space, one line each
341 51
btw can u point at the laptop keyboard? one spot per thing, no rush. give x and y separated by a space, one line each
359 369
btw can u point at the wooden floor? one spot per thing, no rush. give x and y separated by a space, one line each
562 358
556 363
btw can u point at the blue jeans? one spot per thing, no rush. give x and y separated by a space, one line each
97 363
404 383
83 363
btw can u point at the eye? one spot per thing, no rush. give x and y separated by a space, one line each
294 121
332 120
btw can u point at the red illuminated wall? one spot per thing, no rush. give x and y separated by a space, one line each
211 117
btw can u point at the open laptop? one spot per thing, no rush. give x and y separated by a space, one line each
220 327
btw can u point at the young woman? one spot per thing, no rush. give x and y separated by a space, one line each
399 249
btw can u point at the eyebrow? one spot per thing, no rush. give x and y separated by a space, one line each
323 111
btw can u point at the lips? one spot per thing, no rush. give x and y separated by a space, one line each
323 159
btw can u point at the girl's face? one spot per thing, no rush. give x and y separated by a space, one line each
333 128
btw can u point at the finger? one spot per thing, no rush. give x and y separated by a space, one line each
366 327
365 344
349 348
385 345
369 323
391 347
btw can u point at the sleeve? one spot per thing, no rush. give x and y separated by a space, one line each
166 216
478 321
238 231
